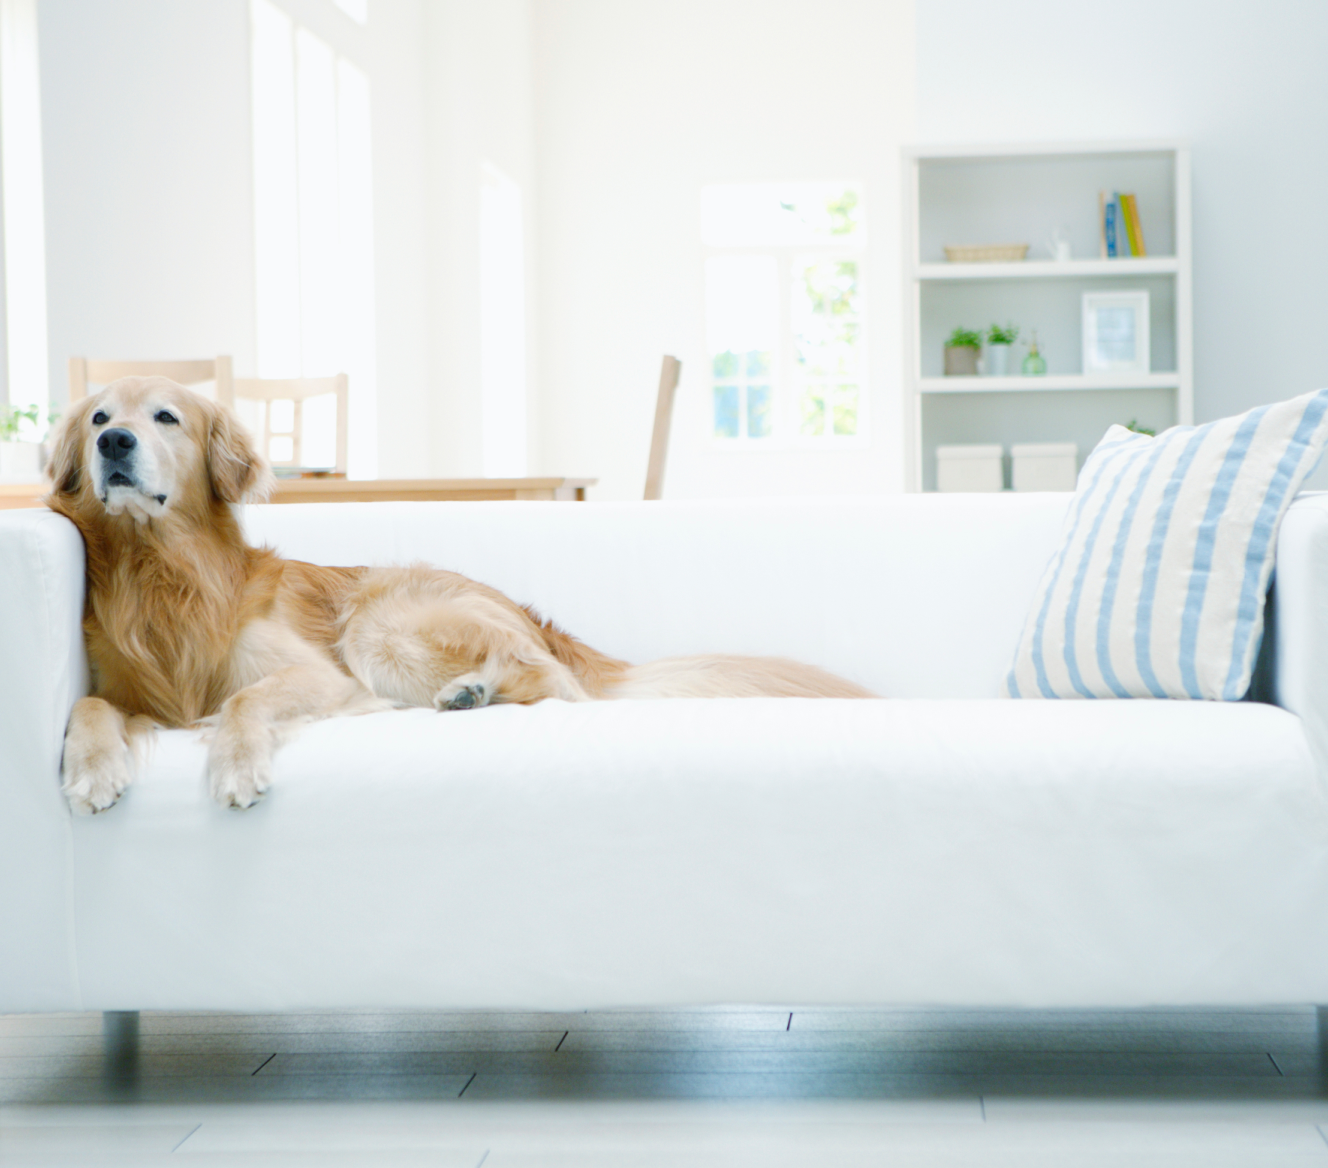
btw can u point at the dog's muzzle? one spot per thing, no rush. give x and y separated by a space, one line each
117 449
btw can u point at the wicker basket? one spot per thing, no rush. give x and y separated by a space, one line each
991 253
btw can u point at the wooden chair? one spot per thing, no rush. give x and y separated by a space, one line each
296 390
669 372
84 371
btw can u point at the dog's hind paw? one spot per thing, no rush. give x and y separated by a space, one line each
465 693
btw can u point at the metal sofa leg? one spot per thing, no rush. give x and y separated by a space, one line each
1321 1018
119 1030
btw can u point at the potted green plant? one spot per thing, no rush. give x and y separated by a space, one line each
999 341
961 353
20 461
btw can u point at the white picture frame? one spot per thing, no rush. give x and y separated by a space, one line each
1115 336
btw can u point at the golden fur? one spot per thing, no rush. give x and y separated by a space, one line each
185 621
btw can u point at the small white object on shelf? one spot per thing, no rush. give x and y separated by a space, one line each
1059 246
969 468
1044 466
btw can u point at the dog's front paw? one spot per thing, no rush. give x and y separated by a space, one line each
239 772
94 781
467 692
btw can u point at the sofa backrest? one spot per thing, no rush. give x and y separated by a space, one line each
912 596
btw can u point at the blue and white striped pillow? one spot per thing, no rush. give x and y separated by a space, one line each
1157 587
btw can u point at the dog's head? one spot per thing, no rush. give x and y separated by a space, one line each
147 447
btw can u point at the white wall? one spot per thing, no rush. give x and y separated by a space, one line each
148 180
478 106
1244 83
396 64
622 111
149 188
639 106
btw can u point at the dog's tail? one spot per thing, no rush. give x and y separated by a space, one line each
717 676
723 676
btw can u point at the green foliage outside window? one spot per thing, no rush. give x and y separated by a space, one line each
11 418
846 410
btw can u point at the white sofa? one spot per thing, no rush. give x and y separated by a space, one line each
946 846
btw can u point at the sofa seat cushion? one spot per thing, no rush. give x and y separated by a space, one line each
709 851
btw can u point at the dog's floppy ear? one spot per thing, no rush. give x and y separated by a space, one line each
239 474
65 465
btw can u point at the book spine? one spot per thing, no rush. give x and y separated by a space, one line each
1102 222
1126 230
1134 226
1109 220
1124 244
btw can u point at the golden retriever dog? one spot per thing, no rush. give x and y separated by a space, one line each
186 622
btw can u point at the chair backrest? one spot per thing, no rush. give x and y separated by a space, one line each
84 371
669 372
295 391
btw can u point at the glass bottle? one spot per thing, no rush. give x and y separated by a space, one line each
1035 364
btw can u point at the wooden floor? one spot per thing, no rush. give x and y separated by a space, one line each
749 1087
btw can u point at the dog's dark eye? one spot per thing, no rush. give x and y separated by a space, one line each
100 418
166 418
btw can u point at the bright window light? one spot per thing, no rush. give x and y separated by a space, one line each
502 325
357 10
827 339
784 312
320 263
276 192
780 215
358 329
24 221
313 215
742 340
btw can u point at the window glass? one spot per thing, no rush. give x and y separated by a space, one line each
784 310
742 331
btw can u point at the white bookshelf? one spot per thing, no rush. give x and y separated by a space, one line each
1022 194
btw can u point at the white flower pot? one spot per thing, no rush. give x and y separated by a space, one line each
20 462
998 360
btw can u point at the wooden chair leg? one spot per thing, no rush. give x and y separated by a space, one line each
659 440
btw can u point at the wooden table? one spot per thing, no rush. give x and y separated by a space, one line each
374 490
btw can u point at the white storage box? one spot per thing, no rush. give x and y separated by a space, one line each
969 468
1044 466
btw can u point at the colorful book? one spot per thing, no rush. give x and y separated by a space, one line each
1124 240
1109 228
1133 227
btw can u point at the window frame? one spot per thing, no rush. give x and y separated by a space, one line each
785 380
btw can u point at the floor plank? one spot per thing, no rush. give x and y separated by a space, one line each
730 1086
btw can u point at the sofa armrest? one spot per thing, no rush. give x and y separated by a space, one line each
43 672
1298 623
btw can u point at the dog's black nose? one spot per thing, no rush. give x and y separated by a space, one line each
116 444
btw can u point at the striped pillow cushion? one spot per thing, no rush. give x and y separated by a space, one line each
1157 587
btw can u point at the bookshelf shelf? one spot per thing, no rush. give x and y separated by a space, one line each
1051 270
972 195
1071 381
